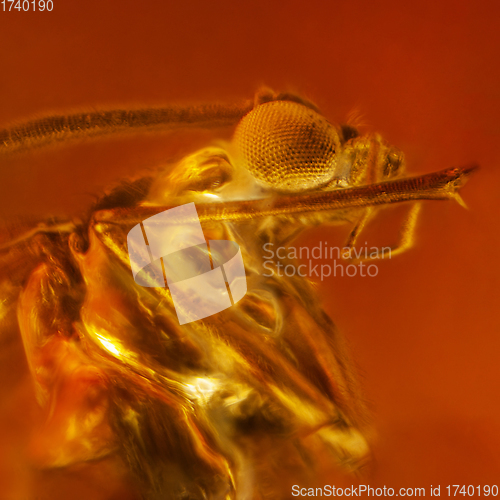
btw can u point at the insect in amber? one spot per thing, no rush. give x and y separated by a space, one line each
241 404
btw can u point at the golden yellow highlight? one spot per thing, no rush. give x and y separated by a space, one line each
216 408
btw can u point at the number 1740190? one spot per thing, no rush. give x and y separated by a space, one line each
486 490
27 5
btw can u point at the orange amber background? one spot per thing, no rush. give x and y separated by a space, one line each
426 75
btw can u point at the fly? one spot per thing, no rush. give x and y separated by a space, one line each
220 407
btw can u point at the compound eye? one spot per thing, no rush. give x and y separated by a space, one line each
287 146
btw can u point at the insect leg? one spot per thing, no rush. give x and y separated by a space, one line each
406 236
357 230
407 232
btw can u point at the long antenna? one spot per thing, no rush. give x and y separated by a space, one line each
442 185
59 128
